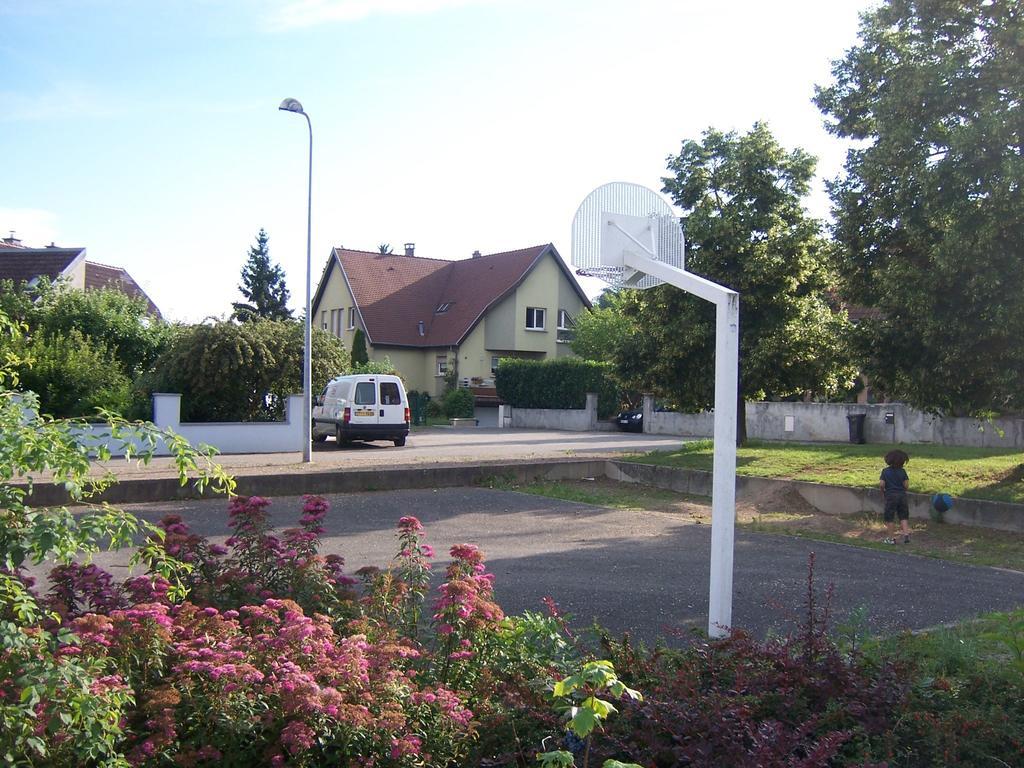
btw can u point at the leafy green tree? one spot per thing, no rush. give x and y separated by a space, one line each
606 334
930 214
83 350
262 286
74 376
359 353
598 332
108 318
746 228
243 372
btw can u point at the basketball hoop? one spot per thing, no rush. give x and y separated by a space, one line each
628 236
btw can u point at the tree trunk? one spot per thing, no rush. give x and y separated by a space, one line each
741 421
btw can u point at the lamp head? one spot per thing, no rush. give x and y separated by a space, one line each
292 105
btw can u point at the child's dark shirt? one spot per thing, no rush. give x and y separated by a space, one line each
894 480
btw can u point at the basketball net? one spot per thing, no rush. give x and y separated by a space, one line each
615 276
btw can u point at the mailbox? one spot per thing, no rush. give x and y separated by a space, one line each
890 417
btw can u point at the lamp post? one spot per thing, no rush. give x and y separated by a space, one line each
293 105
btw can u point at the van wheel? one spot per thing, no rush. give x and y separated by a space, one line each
399 442
342 439
318 438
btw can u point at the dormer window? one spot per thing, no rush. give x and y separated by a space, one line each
442 308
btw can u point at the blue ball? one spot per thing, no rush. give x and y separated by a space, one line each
942 502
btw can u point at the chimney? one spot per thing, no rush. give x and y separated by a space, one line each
410 249
476 254
12 241
420 325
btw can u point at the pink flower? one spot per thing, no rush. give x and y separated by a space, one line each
297 737
409 524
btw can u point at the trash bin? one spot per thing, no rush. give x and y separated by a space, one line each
856 421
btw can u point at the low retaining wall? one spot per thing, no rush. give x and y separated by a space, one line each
831 499
567 420
45 494
827 422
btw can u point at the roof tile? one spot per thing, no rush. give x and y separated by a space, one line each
396 292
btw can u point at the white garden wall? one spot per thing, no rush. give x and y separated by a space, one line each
227 437
827 422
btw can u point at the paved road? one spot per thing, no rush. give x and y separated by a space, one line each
642 571
431 446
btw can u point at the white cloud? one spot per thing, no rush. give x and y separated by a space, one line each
308 13
33 226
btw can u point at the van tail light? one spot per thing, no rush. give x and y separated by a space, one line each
408 416
346 415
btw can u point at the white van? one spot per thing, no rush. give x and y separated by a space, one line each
364 406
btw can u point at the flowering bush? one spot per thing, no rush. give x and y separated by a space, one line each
275 659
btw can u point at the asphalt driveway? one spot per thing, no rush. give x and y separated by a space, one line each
646 572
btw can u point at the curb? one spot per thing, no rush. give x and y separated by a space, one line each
143 490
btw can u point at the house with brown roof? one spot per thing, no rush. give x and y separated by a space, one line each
432 316
21 264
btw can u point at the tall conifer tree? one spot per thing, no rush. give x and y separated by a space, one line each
262 285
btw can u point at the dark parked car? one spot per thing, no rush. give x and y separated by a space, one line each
631 421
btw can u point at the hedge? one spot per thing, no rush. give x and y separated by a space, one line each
556 384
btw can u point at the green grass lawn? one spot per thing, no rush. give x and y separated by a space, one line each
977 473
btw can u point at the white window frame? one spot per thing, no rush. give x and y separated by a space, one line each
351 318
564 321
495 359
442 366
531 312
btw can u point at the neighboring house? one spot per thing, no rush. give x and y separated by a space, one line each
26 265
430 316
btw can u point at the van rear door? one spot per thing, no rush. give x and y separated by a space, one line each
364 403
390 408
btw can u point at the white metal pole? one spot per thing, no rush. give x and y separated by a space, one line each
307 357
723 495
723 482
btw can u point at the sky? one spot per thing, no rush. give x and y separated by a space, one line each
148 131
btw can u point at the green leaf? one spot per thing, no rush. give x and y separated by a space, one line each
583 721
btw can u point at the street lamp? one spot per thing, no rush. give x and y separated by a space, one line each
293 105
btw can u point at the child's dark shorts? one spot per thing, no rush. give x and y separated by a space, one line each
896 508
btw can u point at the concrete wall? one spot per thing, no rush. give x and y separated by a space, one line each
227 437
827 422
568 420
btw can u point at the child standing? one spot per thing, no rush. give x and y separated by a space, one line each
894 483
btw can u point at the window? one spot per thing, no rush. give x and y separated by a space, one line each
442 308
351 318
334 321
564 321
389 394
494 365
442 365
534 319
365 394
323 319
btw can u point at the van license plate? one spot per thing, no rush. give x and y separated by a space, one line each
364 412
